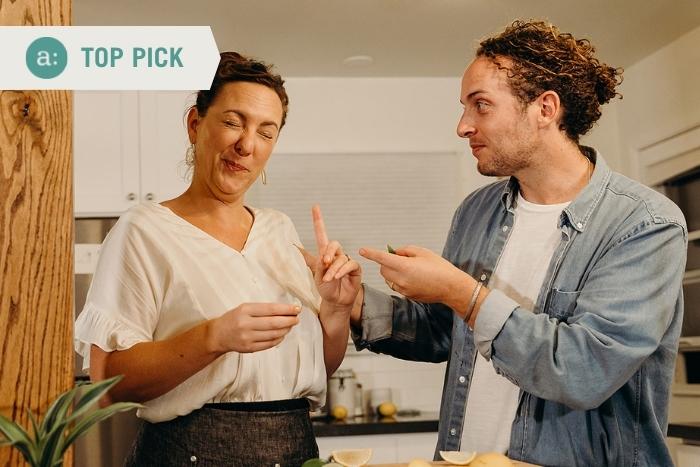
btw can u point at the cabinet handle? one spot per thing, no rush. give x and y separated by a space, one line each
150 196
131 196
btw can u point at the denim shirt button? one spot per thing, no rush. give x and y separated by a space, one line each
579 225
453 431
462 379
483 277
504 228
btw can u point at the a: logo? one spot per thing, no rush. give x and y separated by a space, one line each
46 57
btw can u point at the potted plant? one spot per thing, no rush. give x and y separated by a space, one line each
68 417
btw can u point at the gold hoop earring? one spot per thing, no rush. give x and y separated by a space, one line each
263 177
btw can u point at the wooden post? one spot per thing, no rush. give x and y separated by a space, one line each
36 236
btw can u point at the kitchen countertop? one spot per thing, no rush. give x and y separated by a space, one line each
515 464
684 430
425 422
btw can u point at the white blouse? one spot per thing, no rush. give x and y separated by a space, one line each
158 276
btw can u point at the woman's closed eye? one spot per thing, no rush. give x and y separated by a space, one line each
232 123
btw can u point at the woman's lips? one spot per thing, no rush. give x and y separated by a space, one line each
230 165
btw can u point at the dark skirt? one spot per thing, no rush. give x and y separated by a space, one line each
248 434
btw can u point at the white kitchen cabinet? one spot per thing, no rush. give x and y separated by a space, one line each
163 143
129 147
385 448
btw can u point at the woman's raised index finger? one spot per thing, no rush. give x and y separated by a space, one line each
319 228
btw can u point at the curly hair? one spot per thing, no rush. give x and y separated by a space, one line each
544 59
235 67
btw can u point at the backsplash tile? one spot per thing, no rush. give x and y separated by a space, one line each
414 385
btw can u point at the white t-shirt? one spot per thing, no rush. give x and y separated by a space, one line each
158 276
493 400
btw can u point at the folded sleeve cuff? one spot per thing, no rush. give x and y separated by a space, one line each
495 310
93 327
377 318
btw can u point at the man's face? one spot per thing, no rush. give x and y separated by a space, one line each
502 134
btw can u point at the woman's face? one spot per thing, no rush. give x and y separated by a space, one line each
235 138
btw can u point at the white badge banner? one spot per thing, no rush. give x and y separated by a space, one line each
107 57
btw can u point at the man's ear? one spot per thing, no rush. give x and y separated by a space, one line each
192 122
550 110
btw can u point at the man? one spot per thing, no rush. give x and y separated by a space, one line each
558 303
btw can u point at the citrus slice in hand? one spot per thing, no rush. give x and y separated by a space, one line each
352 457
458 457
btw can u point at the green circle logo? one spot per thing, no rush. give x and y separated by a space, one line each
46 57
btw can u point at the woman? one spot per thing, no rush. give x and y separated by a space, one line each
207 306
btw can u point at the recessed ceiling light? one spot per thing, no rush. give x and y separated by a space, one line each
358 60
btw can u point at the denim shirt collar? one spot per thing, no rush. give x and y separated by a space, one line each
579 211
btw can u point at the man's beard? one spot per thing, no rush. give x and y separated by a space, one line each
504 165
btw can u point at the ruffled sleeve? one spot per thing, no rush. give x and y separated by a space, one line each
95 327
122 305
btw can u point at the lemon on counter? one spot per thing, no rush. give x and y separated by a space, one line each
386 409
458 457
491 459
419 463
352 457
339 412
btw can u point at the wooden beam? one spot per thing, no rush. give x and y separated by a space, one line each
36 236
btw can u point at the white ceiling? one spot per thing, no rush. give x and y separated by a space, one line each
405 37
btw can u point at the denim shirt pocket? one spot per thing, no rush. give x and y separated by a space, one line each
562 303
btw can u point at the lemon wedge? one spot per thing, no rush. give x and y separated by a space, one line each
352 457
491 459
419 463
458 457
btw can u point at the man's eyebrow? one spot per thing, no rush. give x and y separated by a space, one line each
471 95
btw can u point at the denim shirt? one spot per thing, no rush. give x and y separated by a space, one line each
594 359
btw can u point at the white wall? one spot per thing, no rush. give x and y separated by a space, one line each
661 97
371 115
605 136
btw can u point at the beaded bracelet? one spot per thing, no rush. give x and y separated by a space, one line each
472 302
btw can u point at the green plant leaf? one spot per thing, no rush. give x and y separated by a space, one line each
57 411
60 426
92 394
94 417
35 426
19 438
50 444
